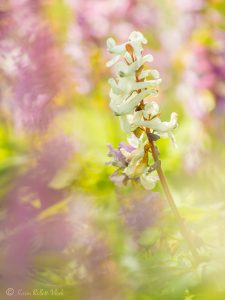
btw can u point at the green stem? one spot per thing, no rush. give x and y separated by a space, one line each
183 229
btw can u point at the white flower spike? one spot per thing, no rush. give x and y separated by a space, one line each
138 116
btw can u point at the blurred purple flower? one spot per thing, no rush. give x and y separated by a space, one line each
90 244
142 212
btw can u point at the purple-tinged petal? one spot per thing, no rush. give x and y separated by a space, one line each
118 179
118 159
126 147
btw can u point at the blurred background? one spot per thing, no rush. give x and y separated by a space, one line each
66 231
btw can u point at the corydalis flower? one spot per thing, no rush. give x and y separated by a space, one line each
149 118
118 160
127 90
133 83
132 164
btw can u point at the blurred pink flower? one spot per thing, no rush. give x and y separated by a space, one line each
190 16
34 64
205 72
25 236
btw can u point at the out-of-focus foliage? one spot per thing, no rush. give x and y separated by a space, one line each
65 228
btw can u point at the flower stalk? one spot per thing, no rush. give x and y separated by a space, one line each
183 229
140 119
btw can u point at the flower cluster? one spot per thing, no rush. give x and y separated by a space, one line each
132 164
139 117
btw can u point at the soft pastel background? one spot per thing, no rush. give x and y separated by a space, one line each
65 228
